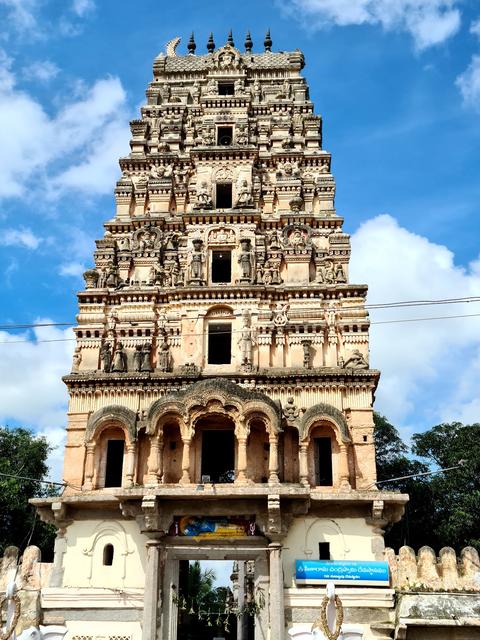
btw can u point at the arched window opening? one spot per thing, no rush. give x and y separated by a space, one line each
114 463
108 552
323 462
217 464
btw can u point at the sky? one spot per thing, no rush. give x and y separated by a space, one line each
397 83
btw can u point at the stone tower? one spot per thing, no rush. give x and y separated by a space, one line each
221 375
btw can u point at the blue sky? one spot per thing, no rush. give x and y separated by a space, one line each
398 86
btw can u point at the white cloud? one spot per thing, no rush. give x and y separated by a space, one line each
75 269
32 392
469 83
418 360
19 238
20 14
33 142
41 70
82 7
475 27
429 22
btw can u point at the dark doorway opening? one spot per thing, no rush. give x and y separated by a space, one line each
224 195
114 464
324 475
218 456
224 136
226 89
324 551
219 343
108 555
221 266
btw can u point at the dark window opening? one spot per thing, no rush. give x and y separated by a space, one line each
108 555
219 468
224 195
224 136
324 475
114 466
219 343
226 89
221 266
324 551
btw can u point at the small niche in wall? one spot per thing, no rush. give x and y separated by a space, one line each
324 551
221 266
108 552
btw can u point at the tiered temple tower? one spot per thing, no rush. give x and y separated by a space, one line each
221 377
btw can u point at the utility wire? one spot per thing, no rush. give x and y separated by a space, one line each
378 305
49 482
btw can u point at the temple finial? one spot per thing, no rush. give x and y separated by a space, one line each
210 44
248 42
230 39
267 43
191 45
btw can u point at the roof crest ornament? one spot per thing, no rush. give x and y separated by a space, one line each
171 46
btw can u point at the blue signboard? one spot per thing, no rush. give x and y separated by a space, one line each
342 572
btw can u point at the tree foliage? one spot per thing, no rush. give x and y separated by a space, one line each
444 508
23 459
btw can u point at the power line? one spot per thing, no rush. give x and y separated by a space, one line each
49 482
372 306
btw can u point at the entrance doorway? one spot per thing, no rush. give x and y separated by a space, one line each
218 456
216 600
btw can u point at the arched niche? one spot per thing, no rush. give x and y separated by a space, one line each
323 412
124 418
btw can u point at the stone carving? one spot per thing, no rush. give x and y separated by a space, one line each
196 92
77 359
274 240
288 170
296 203
291 411
112 322
340 277
146 240
221 236
164 358
204 197
137 358
247 340
307 354
123 244
189 369
156 274
106 357
197 259
257 91
245 261
119 359
244 198
108 277
280 317
356 361
146 364
325 273
160 172
91 277
271 270
171 273
298 240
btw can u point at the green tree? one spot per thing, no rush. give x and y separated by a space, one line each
456 493
23 454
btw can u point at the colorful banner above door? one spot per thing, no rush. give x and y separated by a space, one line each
213 527
342 572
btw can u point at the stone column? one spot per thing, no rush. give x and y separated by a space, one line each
344 472
89 467
277 608
241 460
273 460
153 463
60 548
303 463
185 479
130 472
151 598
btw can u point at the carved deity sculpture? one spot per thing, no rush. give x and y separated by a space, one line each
164 359
340 277
119 359
204 197
77 358
106 357
356 361
325 273
247 341
244 195
196 262
245 261
137 358
274 240
291 411
156 274
146 358
280 317
307 354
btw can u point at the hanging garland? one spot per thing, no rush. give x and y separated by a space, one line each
10 628
322 622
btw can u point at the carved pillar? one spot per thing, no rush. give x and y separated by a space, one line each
303 463
273 460
344 472
241 460
60 548
277 608
153 462
131 449
185 479
89 467
152 594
